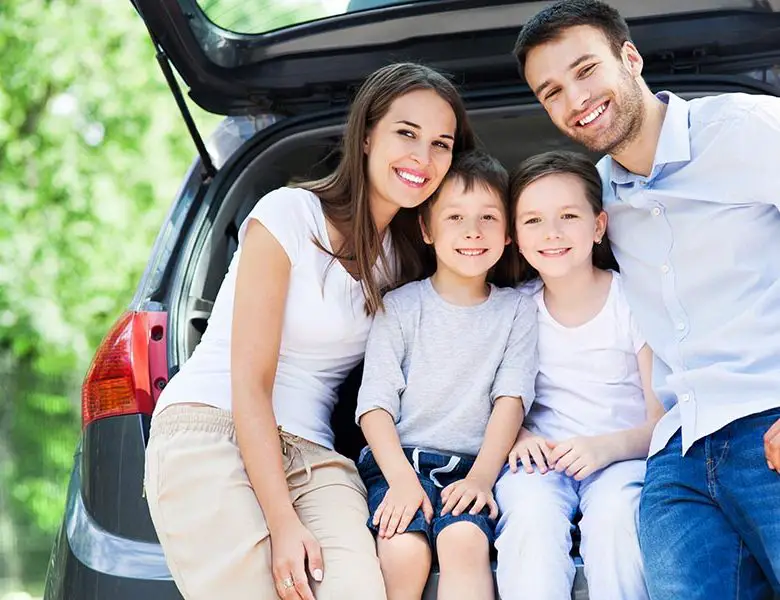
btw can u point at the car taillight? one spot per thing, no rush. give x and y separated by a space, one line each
129 368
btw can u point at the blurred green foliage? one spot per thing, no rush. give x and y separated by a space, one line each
92 150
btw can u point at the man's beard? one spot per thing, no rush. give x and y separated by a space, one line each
628 117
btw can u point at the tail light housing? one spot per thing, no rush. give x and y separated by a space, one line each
129 369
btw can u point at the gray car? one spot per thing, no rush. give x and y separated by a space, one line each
284 92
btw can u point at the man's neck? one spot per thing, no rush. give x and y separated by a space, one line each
638 156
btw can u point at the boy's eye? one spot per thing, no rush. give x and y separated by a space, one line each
454 218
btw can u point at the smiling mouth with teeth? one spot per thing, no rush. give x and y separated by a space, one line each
471 251
555 252
593 115
415 180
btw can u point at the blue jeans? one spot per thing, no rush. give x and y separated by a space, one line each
709 522
435 472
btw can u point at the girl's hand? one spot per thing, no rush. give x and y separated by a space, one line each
529 449
399 506
459 495
581 456
292 545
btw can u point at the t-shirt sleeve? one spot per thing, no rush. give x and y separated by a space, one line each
516 375
286 214
383 378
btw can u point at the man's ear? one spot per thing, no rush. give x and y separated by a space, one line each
632 60
426 237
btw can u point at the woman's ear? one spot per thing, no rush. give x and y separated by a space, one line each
425 235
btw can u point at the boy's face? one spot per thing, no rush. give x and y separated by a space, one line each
592 96
556 226
468 230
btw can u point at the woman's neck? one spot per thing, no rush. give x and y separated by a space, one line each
459 290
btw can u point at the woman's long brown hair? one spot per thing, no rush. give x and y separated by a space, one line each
344 193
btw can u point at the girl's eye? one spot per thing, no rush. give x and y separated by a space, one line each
532 221
569 216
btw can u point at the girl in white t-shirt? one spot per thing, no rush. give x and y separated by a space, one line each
584 442
248 497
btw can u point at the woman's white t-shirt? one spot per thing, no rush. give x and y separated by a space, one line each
588 381
324 330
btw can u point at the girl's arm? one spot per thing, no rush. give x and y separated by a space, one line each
262 282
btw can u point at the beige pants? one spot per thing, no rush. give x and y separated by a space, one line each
213 531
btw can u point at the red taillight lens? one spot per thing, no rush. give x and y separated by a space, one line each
122 379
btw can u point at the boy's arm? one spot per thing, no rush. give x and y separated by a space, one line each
500 434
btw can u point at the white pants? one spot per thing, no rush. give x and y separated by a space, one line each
534 534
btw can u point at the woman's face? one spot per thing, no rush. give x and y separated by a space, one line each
409 151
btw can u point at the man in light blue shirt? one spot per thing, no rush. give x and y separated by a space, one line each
692 190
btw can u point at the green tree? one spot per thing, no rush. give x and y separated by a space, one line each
92 150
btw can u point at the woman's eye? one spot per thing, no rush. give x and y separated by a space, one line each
442 145
406 133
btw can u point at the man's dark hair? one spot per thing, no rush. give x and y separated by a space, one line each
474 168
551 22
562 162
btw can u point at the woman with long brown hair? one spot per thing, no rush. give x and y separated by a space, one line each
246 493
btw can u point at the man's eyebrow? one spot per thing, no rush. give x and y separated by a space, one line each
416 126
573 65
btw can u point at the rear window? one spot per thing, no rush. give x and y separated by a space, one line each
262 16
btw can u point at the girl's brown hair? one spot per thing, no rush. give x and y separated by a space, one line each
561 162
344 193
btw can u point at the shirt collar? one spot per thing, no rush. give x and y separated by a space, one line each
674 143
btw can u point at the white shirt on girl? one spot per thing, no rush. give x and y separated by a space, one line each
588 382
324 328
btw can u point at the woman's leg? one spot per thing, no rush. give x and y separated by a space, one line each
464 562
406 564
209 523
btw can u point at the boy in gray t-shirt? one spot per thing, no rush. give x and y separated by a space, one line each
449 375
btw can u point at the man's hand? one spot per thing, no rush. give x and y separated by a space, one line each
582 456
530 449
399 506
461 494
772 447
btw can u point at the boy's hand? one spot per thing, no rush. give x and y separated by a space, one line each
529 448
772 447
461 494
580 456
399 506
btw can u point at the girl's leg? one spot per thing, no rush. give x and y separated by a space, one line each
464 563
534 536
610 542
406 563
206 515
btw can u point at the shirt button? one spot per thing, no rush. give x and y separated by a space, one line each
680 325
685 397
656 211
665 268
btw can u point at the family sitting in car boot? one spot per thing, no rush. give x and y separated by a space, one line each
564 343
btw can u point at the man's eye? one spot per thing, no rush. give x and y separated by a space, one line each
587 71
550 95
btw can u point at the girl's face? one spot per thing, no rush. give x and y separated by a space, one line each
556 226
467 229
409 151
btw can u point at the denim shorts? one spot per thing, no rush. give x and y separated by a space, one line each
435 472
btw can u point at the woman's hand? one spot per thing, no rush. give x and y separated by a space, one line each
292 546
399 506
530 449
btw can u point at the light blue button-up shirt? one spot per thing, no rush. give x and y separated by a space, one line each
698 243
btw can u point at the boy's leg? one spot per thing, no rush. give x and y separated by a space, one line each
609 501
690 548
747 490
534 535
463 550
406 564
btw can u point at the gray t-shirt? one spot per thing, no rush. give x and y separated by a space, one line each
437 368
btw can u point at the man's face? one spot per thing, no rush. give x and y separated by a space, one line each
591 95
